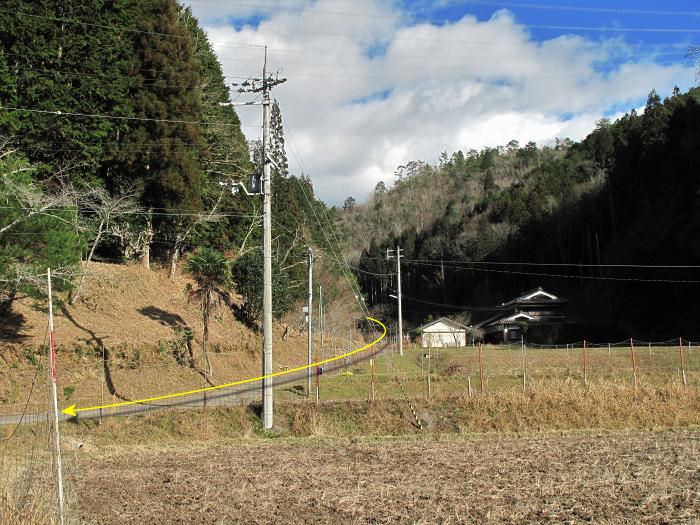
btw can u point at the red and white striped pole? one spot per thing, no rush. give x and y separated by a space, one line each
52 357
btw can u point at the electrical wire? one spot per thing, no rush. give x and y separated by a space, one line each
261 5
525 263
142 119
561 276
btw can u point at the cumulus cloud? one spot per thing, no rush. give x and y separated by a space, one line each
369 90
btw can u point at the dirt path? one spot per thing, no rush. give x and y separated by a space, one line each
651 477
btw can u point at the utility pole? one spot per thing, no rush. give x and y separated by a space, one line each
389 256
320 331
309 324
264 85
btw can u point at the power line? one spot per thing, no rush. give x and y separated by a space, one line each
529 26
477 2
585 265
616 10
525 263
117 117
104 26
561 276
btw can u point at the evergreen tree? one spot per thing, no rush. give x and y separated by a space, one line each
58 64
277 150
168 168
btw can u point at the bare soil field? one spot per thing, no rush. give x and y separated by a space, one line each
634 477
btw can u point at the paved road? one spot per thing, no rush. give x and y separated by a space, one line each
229 396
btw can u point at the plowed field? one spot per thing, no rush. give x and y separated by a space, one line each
636 477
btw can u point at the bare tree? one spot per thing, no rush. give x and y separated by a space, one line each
181 237
106 210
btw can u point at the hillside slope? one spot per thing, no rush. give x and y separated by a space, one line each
605 222
139 317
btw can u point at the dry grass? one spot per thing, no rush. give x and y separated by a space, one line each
553 406
602 478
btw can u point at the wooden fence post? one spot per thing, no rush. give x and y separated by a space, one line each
634 365
469 384
685 382
481 368
371 364
585 363
522 346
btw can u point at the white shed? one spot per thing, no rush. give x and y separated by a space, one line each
443 333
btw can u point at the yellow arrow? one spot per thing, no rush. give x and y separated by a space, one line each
71 410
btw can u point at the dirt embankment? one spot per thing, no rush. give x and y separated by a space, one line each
150 334
123 305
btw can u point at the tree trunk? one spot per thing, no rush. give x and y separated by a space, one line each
174 257
146 256
74 298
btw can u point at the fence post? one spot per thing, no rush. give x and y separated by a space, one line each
429 366
685 383
522 346
634 365
585 363
52 376
469 384
481 368
102 384
371 365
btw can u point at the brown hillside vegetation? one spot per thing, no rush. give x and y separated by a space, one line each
127 305
139 318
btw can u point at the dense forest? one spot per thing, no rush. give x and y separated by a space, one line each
482 227
113 146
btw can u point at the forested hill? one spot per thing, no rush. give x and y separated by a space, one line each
484 226
113 145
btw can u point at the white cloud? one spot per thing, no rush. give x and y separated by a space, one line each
461 85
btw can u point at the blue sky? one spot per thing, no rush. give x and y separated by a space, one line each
671 26
374 84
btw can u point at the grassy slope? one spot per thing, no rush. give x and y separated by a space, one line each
135 315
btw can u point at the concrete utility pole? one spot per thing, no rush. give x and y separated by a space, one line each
389 255
267 256
264 85
309 324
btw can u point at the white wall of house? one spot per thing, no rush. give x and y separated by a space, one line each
441 335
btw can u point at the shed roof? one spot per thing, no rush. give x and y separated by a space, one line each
445 320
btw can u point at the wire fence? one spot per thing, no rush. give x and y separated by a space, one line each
106 377
443 372
28 465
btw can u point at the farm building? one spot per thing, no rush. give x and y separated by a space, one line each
532 309
443 333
